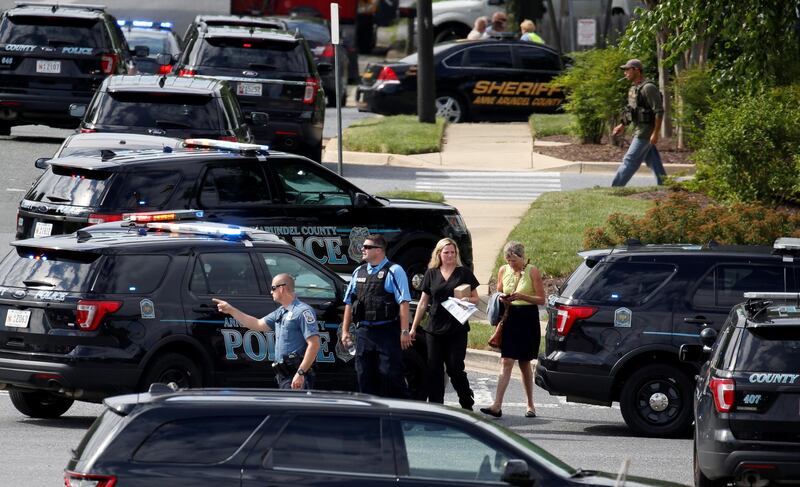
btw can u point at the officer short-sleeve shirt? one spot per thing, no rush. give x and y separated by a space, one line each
396 282
293 325
440 321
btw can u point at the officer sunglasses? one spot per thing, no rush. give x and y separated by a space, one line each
275 287
368 247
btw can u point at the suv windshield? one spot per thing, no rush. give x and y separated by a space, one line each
47 269
52 31
162 110
78 187
157 42
257 54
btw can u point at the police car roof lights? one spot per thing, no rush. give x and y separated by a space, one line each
773 296
57 5
223 145
787 245
161 216
218 230
145 24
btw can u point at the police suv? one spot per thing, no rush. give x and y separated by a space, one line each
314 209
747 396
115 307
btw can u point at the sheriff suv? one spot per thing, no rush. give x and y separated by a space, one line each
313 208
615 326
747 422
53 55
115 307
271 71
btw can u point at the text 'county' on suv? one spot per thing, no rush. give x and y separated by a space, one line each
615 327
53 55
747 396
270 71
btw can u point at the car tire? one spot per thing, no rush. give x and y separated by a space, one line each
314 152
416 374
451 107
656 400
700 480
173 367
40 404
414 261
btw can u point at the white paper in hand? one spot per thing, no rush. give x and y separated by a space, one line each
460 309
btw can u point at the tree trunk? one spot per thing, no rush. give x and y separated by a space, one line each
556 27
663 85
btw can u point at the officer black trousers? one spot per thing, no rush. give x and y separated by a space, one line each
379 361
447 351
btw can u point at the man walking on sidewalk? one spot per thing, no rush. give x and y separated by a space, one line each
645 110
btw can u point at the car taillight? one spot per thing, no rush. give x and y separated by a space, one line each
723 391
567 315
328 51
165 69
96 218
72 479
311 91
387 74
88 131
228 138
90 313
187 72
108 63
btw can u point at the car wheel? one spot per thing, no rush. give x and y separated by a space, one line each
451 108
700 480
173 367
415 261
5 129
656 400
40 404
415 374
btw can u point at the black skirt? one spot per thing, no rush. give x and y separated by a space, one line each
521 333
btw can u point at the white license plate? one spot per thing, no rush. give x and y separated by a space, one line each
53 67
17 318
248 89
42 230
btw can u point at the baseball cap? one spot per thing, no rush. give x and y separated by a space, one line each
633 63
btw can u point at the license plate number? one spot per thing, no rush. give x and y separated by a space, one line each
42 230
52 67
248 89
17 318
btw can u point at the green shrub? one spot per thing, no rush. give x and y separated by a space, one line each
595 91
692 218
749 149
694 86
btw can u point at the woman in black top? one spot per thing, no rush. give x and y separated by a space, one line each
445 336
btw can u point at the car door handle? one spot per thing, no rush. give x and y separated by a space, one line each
205 308
700 320
324 306
342 211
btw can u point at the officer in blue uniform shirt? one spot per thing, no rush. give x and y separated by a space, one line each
296 333
377 302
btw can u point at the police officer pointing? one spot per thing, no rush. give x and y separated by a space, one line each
377 302
296 333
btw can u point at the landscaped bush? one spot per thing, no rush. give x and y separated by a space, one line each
595 91
693 218
694 86
749 149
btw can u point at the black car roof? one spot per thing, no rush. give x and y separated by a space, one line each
197 85
240 20
251 33
678 249
78 11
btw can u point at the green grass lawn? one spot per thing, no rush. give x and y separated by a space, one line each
552 229
400 134
543 125
433 196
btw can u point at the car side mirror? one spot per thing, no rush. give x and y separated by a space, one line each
260 119
77 110
360 200
325 68
516 473
164 59
708 336
42 162
141 51
693 353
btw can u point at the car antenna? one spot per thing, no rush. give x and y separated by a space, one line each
162 80
107 154
54 8
252 30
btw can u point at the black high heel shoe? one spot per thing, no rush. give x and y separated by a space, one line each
492 413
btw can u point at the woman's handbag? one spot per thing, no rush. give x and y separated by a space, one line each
497 337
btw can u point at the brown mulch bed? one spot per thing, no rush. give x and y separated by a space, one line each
606 152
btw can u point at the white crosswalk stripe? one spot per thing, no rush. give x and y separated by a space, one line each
489 185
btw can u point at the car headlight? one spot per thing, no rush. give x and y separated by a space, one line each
456 223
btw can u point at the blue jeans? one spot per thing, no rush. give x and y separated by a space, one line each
640 150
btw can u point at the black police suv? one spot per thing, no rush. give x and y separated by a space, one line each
119 306
313 208
94 143
487 79
150 39
615 326
747 396
53 55
247 438
168 106
271 71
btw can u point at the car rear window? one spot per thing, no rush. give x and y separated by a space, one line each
52 31
142 190
770 348
70 186
131 274
162 110
619 283
255 54
103 428
48 269
157 42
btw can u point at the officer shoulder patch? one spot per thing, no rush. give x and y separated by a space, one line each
309 316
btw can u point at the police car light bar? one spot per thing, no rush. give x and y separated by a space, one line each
226 146
212 230
773 296
147 24
787 243
161 216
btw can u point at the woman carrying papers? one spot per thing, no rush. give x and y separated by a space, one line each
445 336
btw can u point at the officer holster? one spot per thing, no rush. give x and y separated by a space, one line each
288 367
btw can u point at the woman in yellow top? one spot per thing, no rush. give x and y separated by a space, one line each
522 284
